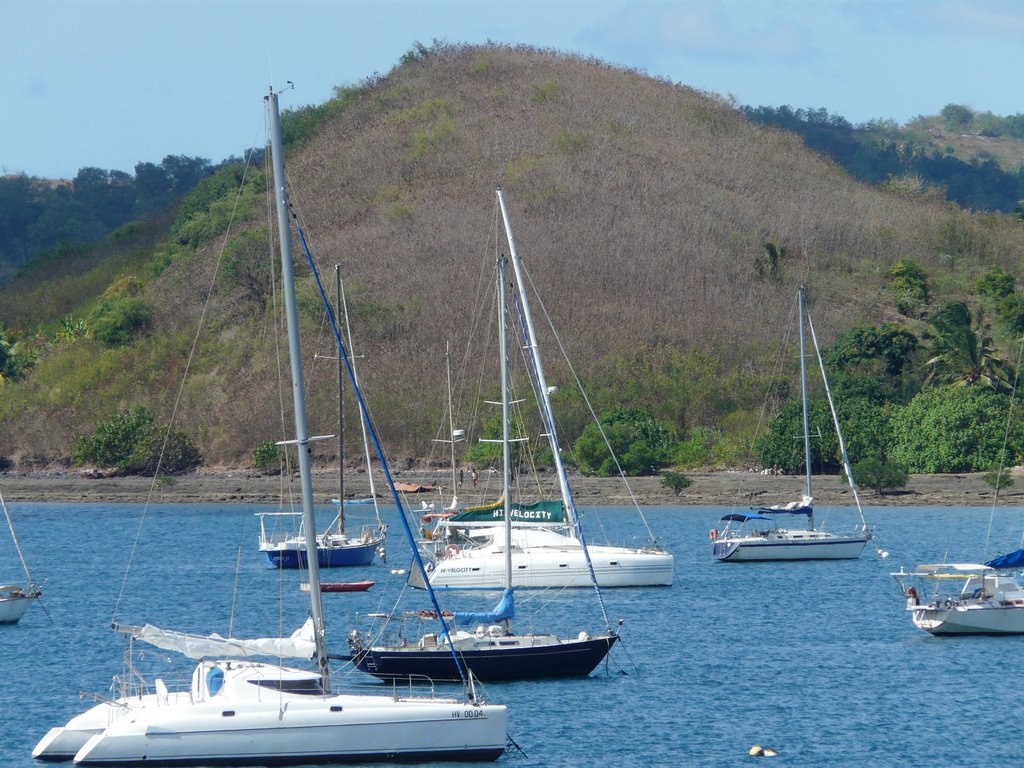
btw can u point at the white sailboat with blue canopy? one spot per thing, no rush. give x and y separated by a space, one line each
240 711
760 535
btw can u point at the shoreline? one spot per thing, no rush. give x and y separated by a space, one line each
728 488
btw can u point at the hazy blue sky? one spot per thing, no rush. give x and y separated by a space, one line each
111 83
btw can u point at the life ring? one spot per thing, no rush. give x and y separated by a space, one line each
713 534
451 550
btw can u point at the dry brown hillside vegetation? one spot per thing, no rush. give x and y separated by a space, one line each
641 208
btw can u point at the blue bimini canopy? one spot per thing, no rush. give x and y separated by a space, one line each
505 609
742 517
1011 560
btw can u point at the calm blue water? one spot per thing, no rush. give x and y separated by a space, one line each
817 660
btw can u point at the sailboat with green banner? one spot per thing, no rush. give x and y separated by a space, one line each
545 540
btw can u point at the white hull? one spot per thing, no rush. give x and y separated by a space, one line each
972 618
539 567
782 544
14 601
249 720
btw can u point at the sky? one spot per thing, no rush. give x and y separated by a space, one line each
111 83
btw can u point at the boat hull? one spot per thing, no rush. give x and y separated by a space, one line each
977 619
326 730
249 713
15 600
293 557
558 659
790 546
542 568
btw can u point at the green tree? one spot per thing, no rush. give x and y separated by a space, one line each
641 443
880 474
116 321
676 481
114 440
998 478
956 429
956 117
266 457
1011 313
165 448
962 352
886 350
995 284
909 286
133 442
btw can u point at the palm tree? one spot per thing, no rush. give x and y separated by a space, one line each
962 352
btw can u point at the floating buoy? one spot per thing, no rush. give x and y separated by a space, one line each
758 751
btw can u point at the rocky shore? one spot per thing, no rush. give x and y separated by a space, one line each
727 487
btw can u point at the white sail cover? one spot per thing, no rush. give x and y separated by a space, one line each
300 645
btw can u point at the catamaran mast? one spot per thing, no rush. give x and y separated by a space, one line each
302 438
803 394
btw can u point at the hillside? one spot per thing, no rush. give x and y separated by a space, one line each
642 209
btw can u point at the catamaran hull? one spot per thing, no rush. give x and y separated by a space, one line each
760 549
613 567
575 658
325 730
987 619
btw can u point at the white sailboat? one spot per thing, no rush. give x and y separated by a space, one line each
966 598
492 651
548 550
15 599
755 535
237 711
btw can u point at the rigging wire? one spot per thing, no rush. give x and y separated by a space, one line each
181 387
1002 454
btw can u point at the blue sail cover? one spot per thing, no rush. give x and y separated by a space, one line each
505 609
1011 560
795 510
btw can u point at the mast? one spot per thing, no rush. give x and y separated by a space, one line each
506 490
302 438
451 420
341 416
803 395
549 418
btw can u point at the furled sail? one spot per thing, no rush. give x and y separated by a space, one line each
300 645
505 609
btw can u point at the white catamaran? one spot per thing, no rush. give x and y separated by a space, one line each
238 711
755 535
